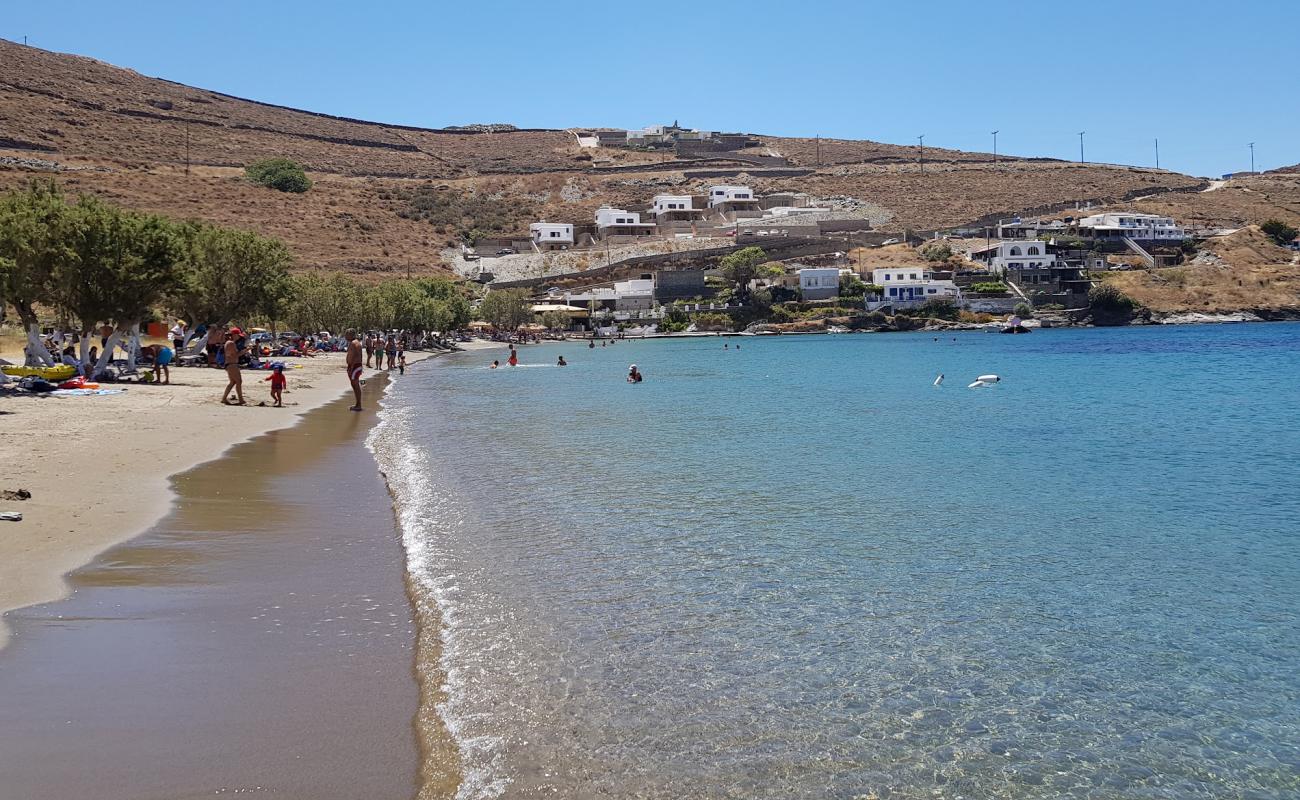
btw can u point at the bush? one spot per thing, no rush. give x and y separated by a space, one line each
990 287
935 251
1281 233
1023 310
712 322
279 173
1109 305
937 308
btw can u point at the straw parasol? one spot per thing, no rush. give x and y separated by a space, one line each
478 323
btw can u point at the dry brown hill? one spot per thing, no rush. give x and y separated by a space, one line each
1241 271
103 129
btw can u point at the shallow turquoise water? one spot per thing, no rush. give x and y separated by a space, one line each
798 569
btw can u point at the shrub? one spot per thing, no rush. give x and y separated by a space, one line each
1109 305
279 173
937 308
1281 233
990 287
712 322
935 251
1023 310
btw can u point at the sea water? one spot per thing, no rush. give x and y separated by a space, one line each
794 567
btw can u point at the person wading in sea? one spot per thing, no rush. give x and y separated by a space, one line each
353 366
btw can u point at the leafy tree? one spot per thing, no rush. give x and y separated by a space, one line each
279 173
1023 310
33 224
1109 305
555 320
324 302
852 286
230 275
506 309
741 267
1281 233
122 264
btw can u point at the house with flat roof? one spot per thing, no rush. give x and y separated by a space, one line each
819 283
908 286
620 222
551 235
732 198
1141 227
668 207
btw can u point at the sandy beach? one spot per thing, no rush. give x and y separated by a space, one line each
98 466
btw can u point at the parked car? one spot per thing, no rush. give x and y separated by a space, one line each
889 241
506 251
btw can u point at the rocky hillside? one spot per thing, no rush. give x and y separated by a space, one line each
390 199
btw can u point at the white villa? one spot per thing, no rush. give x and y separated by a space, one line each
674 206
1149 227
912 286
620 222
732 197
1019 255
551 235
819 283
637 294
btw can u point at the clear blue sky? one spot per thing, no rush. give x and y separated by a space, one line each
1205 77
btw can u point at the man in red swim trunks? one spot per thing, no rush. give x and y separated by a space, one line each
354 367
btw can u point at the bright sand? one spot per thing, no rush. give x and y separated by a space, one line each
257 640
98 467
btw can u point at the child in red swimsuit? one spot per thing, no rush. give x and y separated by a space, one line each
277 385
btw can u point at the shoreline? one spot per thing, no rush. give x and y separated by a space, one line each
102 473
277 587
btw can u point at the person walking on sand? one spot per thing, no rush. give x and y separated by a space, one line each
278 382
234 377
353 367
370 348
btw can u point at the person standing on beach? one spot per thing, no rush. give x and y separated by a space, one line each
234 376
390 350
353 367
216 335
178 336
278 382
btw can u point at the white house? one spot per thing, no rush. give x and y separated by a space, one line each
1017 255
1149 227
733 197
819 283
619 222
911 286
551 235
674 205
634 295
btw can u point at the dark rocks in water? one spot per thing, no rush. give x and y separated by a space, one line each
21 494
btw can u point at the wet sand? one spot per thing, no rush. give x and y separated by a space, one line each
258 640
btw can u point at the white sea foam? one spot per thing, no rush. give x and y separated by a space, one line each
427 513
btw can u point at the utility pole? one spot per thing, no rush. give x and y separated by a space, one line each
1157 152
1081 133
819 150
995 149
1252 158
187 147
921 140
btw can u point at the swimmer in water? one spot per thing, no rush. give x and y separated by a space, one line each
495 364
561 362
633 375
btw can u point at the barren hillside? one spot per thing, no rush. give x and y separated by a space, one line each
95 127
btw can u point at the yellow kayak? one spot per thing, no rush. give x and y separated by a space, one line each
60 372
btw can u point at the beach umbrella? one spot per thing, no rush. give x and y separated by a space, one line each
478 323
257 330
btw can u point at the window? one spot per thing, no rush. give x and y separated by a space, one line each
555 234
893 291
1032 251
931 291
1015 251
887 276
913 276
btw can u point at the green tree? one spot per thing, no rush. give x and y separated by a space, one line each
122 265
230 275
506 309
33 242
852 286
324 302
1109 305
1023 310
741 267
1281 233
555 320
937 308
279 173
